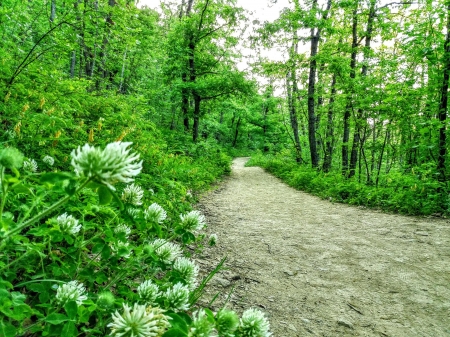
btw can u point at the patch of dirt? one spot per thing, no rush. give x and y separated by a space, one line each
322 269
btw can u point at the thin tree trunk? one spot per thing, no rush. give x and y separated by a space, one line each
315 37
292 90
349 104
236 133
184 76
73 61
443 104
197 101
327 160
123 71
358 121
53 11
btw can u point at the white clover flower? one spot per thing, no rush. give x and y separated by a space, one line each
113 164
10 134
122 228
155 213
226 323
138 321
177 297
188 271
193 220
48 160
166 251
133 194
30 165
253 323
134 212
152 191
212 239
148 292
68 224
71 291
200 326
124 248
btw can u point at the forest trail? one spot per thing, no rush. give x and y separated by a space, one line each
318 268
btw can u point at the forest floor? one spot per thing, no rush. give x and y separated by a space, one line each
318 268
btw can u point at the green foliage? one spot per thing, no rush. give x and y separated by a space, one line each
416 193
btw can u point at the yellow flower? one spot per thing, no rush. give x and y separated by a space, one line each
91 135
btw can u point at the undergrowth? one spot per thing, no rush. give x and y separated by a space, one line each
415 193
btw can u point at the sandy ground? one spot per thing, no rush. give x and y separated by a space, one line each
322 269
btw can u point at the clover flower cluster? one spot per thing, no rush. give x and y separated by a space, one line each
200 326
193 220
165 250
227 323
48 160
122 248
122 228
253 323
138 321
10 134
133 194
68 224
30 165
212 239
113 164
71 291
188 271
176 298
10 158
148 292
134 212
155 213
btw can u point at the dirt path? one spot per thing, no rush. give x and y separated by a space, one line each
323 269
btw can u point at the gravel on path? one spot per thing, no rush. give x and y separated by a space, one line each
318 268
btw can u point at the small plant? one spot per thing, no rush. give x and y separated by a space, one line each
77 259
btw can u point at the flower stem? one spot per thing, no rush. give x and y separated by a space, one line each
45 212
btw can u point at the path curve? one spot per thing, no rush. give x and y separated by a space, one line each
323 269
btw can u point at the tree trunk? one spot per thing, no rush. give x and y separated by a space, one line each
349 105
292 91
443 104
311 100
53 11
315 37
197 101
73 61
329 134
236 133
359 120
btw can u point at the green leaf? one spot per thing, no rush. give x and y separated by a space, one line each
174 333
55 177
187 237
178 323
7 329
37 287
104 195
98 246
56 319
69 330
71 309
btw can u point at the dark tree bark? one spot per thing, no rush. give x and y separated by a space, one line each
357 135
184 76
236 133
315 37
330 130
443 104
349 105
292 91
